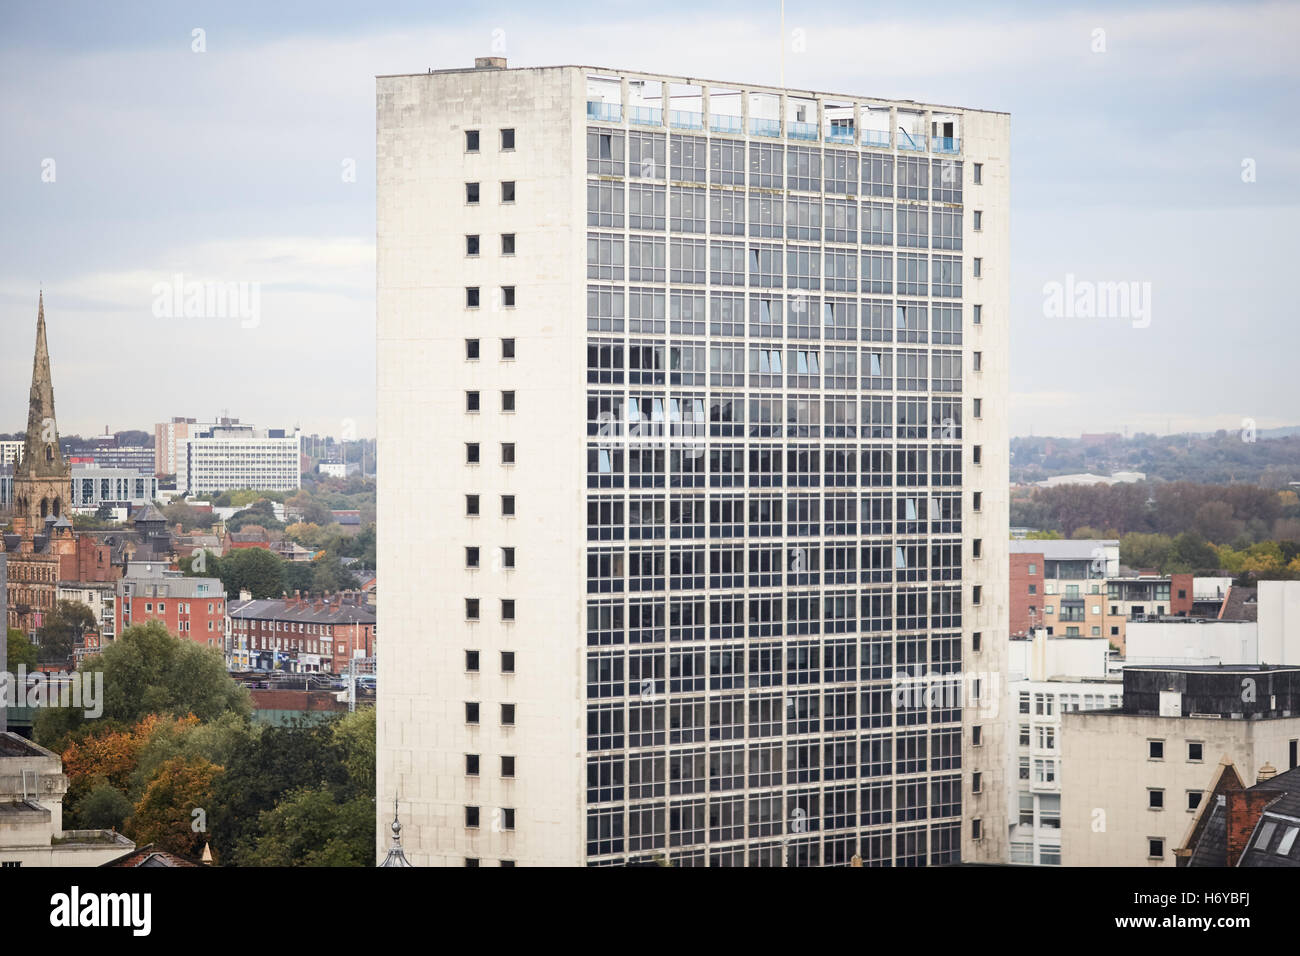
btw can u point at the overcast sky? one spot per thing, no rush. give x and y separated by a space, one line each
226 166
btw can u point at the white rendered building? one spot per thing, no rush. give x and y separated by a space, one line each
692 437
1049 677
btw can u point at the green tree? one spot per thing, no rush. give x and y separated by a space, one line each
260 771
256 570
1190 552
1145 550
103 808
21 650
149 671
62 627
311 828
354 735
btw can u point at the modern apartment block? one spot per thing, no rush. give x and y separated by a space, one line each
226 457
693 446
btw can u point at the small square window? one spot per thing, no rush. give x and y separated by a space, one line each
471 765
507 818
1195 751
508 401
507 243
1155 848
507 348
1193 799
508 506
507 662
507 139
508 191
471 557
471 401
507 453
471 194
979 220
507 557
471 141
471 453
979 173
1156 799
471 660
471 349
471 816
508 296
471 506
472 862
507 715
471 297
1155 750
471 245
507 609
471 609
507 766
471 712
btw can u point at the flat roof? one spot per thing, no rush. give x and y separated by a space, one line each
640 74
1057 549
1217 668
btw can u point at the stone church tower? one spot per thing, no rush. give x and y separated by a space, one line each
43 481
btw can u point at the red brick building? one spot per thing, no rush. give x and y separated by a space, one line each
1026 592
302 634
192 608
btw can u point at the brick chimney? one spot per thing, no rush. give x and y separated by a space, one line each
1244 808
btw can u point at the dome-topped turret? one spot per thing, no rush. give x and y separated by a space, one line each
396 856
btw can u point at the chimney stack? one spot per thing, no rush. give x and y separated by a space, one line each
489 63
1266 772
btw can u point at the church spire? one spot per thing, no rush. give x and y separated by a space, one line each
42 457
43 480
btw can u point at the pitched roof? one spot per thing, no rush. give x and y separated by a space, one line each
1241 604
150 856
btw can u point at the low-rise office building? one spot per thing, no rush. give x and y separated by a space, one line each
239 456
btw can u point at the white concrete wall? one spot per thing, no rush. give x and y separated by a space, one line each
1106 775
1167 642
986 139
423 427
1279 622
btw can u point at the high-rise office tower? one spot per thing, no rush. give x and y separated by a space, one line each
693 451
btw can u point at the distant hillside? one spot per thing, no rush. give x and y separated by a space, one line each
1215 458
